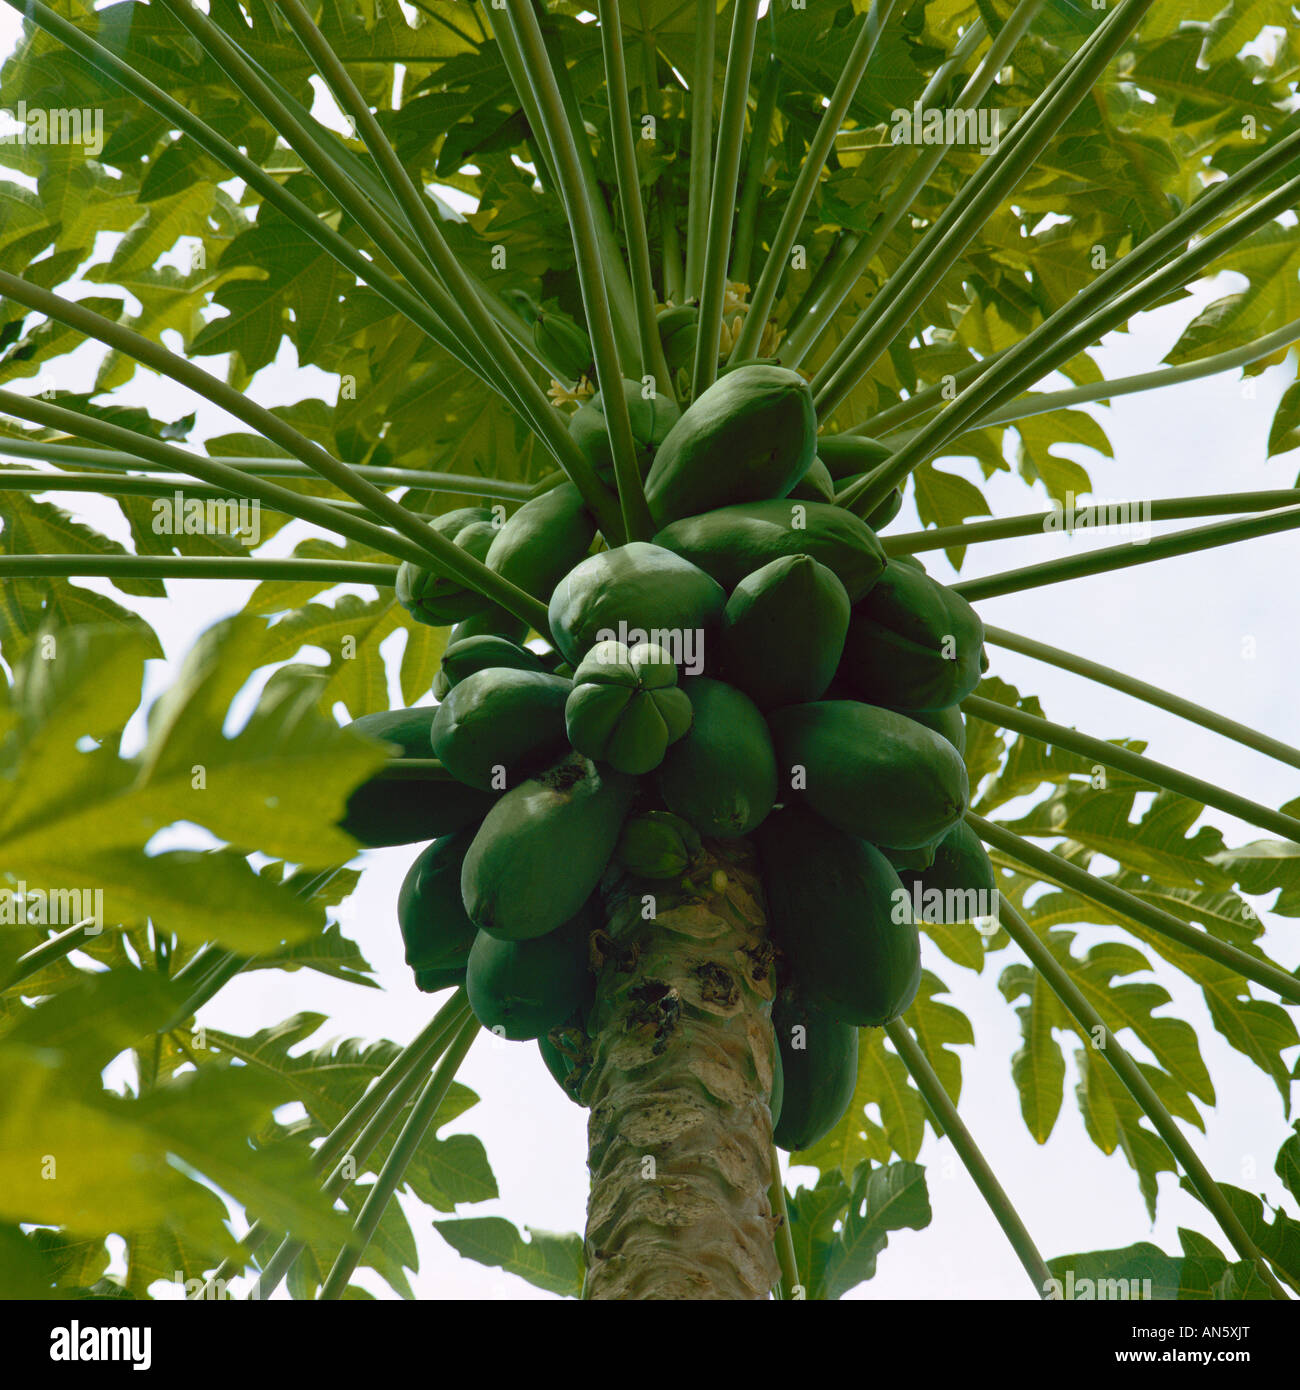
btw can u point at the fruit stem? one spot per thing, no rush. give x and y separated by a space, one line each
789 1286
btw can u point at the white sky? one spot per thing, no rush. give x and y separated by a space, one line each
1183 624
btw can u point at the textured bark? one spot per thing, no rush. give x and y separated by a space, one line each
680 1131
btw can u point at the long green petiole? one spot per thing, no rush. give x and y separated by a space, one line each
193 567
394 1168
1023 407
464 311
456 483
378 1109
845 243
755 165
953 231
441 554
982 1175
416 1054
637 524
1123 760
52 949
1117 557
1059 522
618 286
1055 869
924 163
1153 695
701 160
805 185
1130 1075
223 481
1080 322
722 196
653 363
310 143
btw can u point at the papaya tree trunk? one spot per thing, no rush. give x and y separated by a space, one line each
679 1085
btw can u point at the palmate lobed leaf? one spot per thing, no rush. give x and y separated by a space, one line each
112 1167
546 1260
841 1226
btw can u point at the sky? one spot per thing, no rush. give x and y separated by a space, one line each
1219 628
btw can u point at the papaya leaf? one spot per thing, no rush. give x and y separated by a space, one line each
1038 1068
940 1028
1141 1271
99 1018
882 1200
112 1165
1278 1240
840 1227
883 1085
26 1270
71 1262
545 1260
1287 1166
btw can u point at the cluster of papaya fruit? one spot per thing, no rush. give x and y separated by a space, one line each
758 669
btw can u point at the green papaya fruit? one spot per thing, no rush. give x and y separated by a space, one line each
902 859
432 980
562 342
869 771
493 622
749 436
639 589
949 722
838 910
462 658
651 418
435 599
435 927
522 989
542 541
816 485
731 542
625 708
541 850
497 721
913 643
884 512
388 811
818 1068
848 454
783 631
959 885
776 1101
678 325
556 1062
559 1062
722 776
410 729
657 844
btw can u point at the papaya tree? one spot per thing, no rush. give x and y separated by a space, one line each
605 350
